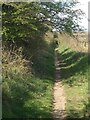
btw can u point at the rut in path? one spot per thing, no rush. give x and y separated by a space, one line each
59 95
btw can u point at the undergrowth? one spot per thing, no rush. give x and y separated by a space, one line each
28 82
27 97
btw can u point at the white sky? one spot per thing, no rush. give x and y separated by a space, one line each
84 7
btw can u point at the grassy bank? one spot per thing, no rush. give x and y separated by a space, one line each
27 97
28 83
74 76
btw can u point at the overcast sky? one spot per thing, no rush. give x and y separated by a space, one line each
84 7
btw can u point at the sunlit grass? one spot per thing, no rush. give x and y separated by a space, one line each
74 76
30 98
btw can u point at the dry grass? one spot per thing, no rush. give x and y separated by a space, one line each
77 42
28 84
14 63
74 74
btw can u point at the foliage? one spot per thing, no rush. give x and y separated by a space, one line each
28 89
29 93
22 21
22 28
62 15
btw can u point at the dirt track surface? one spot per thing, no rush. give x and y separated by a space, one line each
59 95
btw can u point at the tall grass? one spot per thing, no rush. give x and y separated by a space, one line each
74 76
28 82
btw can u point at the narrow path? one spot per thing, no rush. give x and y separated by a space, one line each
59 96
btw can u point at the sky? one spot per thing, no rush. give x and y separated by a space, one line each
84 7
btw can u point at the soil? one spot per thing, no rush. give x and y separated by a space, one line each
59 94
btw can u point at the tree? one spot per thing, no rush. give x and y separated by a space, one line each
62 15
26 21
19 20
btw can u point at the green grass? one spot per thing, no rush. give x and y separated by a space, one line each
27 97
74 76
44 64
30 95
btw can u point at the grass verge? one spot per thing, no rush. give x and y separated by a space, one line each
74 76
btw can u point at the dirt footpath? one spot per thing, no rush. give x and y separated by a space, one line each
59 95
